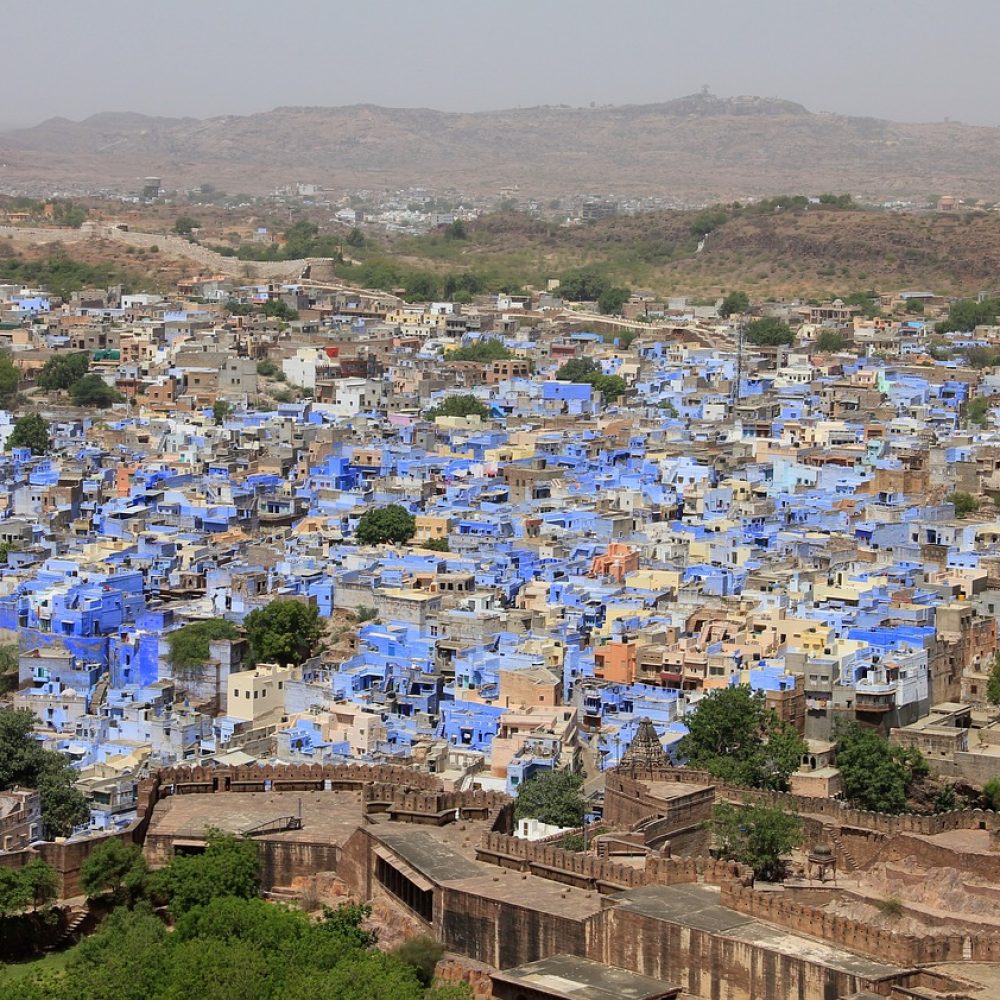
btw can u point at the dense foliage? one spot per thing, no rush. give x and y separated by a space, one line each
115 868
189 645
30 431
392 523
734 735
965 503
993 684
756 835
62 371
735 302
586 370
768 332
552 797
286 632
60 274
92 390
230 945
24 762
876 775
9 378
830 341
464 405
229 866
964 315
31 885
487 349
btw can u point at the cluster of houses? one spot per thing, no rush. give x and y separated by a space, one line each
769 516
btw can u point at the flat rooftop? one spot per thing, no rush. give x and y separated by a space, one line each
698 906
327 817
580 979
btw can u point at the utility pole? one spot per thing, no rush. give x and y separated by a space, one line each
739 363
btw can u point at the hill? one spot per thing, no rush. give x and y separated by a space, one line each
811 251
696 149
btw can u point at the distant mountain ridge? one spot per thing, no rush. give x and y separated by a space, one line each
698 148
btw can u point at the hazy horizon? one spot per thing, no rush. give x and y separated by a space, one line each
894 59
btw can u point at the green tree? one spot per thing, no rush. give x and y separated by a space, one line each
220 410
229 866
185 225
279 309
583 285
62 371
552 797
965 503
734 303
964 315
734 735
436 544
116 868
611 300
189 645
422 953
392 523
355 238
976 410
487 349
286 632
25 763
30 431
756 835
768 332
830 341
92 390
876 776
991 793
456 231
10 378
578 370
993 684
9 664
465 405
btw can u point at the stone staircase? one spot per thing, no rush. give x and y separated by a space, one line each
842 850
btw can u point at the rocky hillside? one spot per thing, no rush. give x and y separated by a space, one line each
696 149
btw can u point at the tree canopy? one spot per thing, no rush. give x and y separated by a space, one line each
189 645
115 868
876 775
964 503
964 315
993 684
229 866
392 523
486 349
830 341
586 370
92 390
285 632
30 431
465 405
733 303
611 300
62 371
24 762
10 377
768 332
551 797
734 735
756 835
31 885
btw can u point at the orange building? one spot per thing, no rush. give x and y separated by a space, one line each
617 562
616 661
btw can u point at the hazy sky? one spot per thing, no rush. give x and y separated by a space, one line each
912 60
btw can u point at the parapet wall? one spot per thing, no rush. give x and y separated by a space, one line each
588 872
855 935
838 812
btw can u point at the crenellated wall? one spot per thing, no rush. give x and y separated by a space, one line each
588 872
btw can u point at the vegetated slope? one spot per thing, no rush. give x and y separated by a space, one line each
792 252
695 149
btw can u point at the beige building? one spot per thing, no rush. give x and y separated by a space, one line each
258 695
